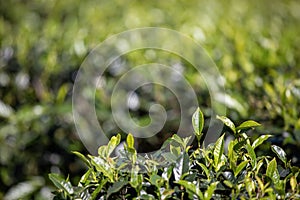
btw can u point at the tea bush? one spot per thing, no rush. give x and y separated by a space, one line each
177 171
255 44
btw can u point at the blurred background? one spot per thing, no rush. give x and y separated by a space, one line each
256 46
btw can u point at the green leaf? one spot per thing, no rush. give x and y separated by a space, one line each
85 177
62 92
248 124
83 158
181 166
204 168
227 122
218 151
228 183
280 153
113 143
293 183
260 140
272 171
191 189
260 183
198 123
98 189
237 146
210 190
154 178
170 157
240 167
60 183
130 141
136 179
250 186
103 166
116 187
252 154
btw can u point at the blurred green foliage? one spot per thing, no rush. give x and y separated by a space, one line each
255 44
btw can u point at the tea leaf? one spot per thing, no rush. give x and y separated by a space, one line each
135 178
198 123
260 140
210 190
239 168
112 144
218 151
116 187
130 141
272 171
293 182
252 154
248 124
227 122
60 183
191 188
204 168
280 153
181 166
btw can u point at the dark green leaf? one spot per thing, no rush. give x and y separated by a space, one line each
60 183
252 154
116 187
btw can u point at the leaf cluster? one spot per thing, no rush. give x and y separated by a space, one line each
177 171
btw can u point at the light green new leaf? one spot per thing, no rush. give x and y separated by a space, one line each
260 140
130 141
227 122
85 177
198 123
240 167
191 189
260 183
293 183
248 124
113 143
218 151
272 171
61 183
210 190
98 189
280 153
